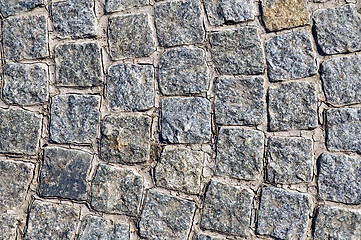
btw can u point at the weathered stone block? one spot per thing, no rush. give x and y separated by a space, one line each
120 5
8 8
204 237
8 225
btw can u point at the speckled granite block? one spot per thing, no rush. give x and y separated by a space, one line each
120 5
9 8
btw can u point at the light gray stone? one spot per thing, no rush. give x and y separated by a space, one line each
25 37
338 29
165 217
186 120
74 118
283 214
341 80
343 127
25 84
183 71
9 8
130 87
237 51
239 153
293 106
8 224
205 237
239 101
179 169
130 36
125 139
227 209
179 22
120 5
290 56
290 160
19 131
64 172
115 190
74 18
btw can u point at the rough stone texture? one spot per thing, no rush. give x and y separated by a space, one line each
8 8
290 160
99 228
205 237
239 101
130 87
130 36
125 139
179 22
179 169
25 84
280 14
338 179
19 131
74 118
120 5
183 71
115 190
292 106
283 214
74 18
338 29
186 120
237 51
64 172
343 127
165 217
57 221
15 178
8 223
290 56
341 80
227 209
25 37
239 153
78 65
229 12
337 223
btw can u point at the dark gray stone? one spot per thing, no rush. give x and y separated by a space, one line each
283 214
239 101
341 80
338 29
78 65
240 153
183 71
74 18
237 51
204 237
120 5
25 84
180 169
130 87
293 106
227 209
290 56
290 160
19 131
64 172
179 22
343 127
25 37
115 190
125 139
8 225
186 120
9 7
166 217
74 118
130 36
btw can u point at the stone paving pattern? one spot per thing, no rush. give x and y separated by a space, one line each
180 119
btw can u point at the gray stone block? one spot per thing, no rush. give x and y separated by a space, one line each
130 87
239 101
183 71
8 225
120 5
9 8
237 51
116 191
283 214
166 217
186 120
204 237
239 153
25 84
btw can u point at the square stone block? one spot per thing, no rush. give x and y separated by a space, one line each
120 5
9 8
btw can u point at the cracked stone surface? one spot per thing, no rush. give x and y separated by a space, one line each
9 8
120 5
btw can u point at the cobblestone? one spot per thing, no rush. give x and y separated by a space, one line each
9 8
7 226
205 237
120 5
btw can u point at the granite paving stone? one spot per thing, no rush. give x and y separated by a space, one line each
120 5
9 8
8 224
204 237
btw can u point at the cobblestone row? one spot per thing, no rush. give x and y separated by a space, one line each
180 119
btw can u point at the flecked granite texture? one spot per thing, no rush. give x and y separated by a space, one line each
180 119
